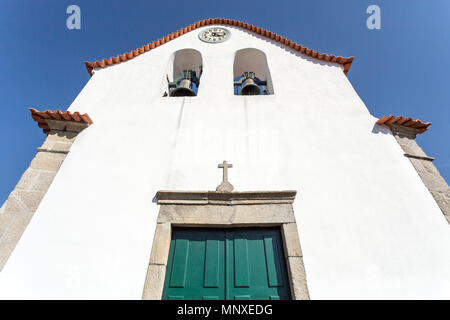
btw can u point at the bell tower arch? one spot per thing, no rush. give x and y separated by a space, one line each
183 72
250 65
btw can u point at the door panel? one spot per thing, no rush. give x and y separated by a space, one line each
196 265
273 261
256 255
180 260
212 263
219 264
241 276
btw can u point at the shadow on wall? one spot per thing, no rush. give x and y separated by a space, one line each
381 129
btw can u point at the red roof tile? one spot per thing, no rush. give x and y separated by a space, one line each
40 116
407 122
346 62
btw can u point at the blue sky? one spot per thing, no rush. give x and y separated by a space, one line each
402 69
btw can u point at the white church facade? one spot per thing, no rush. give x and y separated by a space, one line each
225 162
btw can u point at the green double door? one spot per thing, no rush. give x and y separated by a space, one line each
230 264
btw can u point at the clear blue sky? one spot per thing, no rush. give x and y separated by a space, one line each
402 69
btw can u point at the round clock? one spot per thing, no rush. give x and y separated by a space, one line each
214 35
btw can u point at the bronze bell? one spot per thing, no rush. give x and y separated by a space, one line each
183 86
250 88
183 89
250 84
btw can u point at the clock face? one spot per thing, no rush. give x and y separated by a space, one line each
214 35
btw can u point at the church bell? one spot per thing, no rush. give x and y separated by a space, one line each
183 86
250 84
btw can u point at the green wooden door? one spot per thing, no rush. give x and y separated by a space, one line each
234 264
196 265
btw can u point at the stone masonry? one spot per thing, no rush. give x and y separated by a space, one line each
438 187
18 209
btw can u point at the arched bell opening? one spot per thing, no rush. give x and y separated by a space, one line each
251 74
183 74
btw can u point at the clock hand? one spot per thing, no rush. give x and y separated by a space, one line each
217 34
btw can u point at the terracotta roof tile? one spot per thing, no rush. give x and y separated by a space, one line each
40 116
407 122
346 62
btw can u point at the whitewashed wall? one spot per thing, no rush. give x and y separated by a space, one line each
368 226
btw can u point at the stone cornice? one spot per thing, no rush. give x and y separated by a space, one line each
60 121
404 132
65 125
225 198
406 127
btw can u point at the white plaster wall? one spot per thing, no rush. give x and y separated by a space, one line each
368 226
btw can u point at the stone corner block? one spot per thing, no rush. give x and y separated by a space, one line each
47 161
29 199
5 221
161 244
13 205
11 236
291 240
297 277
154 282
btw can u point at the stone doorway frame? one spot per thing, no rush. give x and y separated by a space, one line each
212 209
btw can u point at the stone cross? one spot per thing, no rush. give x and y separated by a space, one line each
225 186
